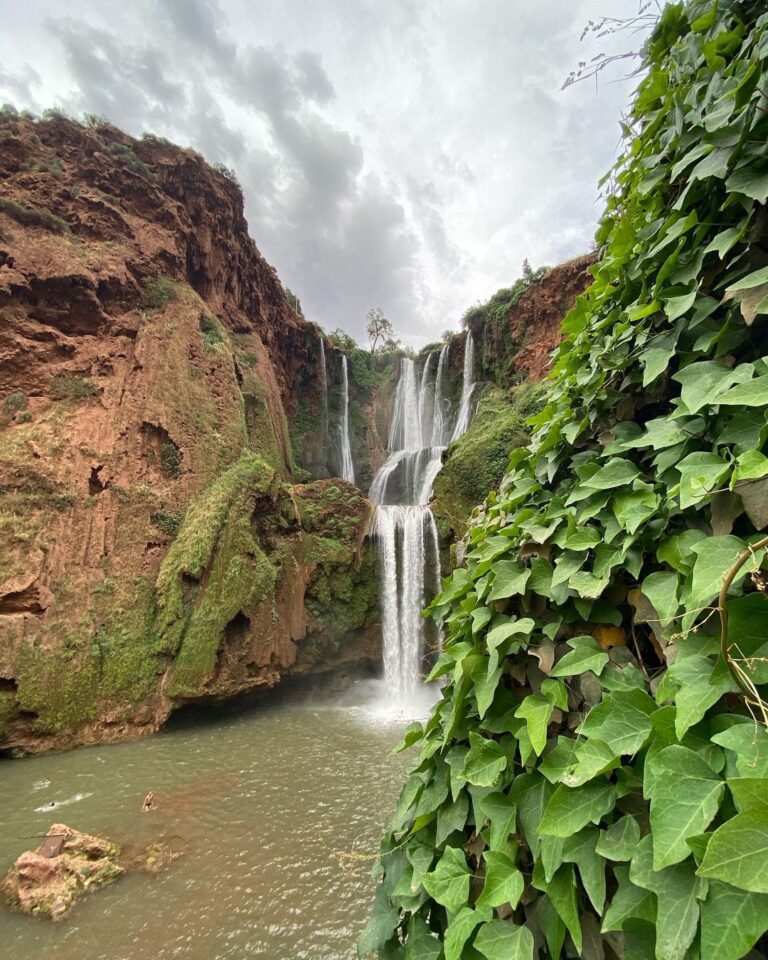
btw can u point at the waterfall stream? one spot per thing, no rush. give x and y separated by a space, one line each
404 526
347 467
324 384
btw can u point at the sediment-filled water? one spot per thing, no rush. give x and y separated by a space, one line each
276 809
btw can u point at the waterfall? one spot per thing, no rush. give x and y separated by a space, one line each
403 525
347 467
324 384
467 386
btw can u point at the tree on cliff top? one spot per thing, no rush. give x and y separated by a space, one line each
378 328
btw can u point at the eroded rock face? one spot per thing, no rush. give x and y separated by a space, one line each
48 881
156 544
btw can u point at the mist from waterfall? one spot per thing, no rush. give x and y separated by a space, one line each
403 525
347 467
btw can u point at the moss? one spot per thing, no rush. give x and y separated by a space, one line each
211 330
31 216
475 464
215 570
170 459
8 712
15 402
167 523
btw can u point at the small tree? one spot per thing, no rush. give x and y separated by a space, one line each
379 328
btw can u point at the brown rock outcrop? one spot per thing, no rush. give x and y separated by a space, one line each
48 881
146 349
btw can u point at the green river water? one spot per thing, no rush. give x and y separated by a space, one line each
261 802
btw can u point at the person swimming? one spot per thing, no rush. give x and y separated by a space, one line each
149 803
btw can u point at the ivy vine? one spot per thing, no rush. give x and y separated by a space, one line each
594 779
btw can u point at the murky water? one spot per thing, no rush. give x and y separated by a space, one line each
264 803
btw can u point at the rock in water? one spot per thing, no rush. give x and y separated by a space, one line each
46 882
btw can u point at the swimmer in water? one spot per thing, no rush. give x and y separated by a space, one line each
149 803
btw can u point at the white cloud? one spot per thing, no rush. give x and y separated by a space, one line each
408 154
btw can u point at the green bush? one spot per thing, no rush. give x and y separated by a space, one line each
159 291
594 779
209 327
66 386
167 523
170 459
15 401
34 217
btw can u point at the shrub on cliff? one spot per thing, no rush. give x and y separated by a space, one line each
594 779
32 216
159 291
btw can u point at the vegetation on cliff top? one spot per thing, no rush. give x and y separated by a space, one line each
593 780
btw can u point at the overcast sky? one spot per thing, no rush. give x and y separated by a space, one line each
406 154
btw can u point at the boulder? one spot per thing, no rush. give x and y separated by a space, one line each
49 880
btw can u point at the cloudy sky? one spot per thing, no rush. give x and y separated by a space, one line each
406 154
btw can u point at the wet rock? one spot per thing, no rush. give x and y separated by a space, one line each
46 882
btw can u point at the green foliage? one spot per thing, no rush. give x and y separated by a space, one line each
15 401
342 341
361 369
67 386
166 522
170 459
128 158
293 301
159 291
214 571
476 463
212 334
227 172
33 216
589 690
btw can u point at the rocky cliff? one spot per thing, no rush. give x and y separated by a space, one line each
514 334
157 547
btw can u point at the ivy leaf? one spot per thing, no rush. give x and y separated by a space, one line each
581 850
701 685
485 686
452 817
622 721
656 359
448 883
705 380
750 793
587 654
685 798
537 713
562 892
530 792
485 761
714 558
749 742
381 924
748 634
510 578
620 840
421 944
570 809
738 852
630 902
661 589
503 881
500 810
750 182
700 474
503 940
616 473
677 895
460 930
732 921
754 393
592 758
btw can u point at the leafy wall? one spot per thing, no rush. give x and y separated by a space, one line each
594 779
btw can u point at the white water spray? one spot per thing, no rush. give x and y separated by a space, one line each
467 386
347 467
403 525
324 384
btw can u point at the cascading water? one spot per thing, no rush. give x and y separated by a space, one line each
324 384
347 467
403 525
467 386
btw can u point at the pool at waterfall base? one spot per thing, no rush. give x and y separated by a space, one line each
277 810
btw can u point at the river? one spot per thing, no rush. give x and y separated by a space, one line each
265 803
